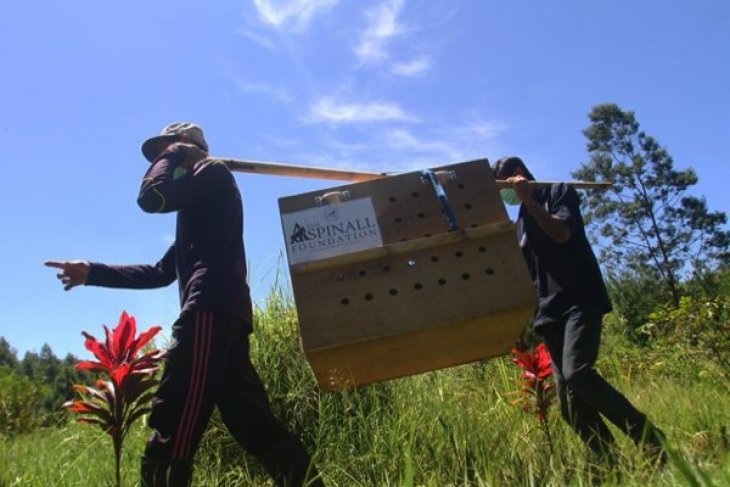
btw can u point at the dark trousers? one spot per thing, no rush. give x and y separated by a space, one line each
208 365
585 396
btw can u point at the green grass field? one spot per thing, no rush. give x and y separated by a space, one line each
455 427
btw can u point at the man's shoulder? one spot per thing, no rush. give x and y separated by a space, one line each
214 168
560 188
211 164
564 193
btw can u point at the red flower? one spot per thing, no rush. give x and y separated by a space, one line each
537 369
117 356
115 404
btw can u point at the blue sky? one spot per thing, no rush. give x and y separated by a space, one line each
381 85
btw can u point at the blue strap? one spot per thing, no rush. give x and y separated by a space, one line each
431 178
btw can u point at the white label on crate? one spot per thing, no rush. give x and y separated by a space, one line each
330 230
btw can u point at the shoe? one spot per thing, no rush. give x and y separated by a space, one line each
654 447
290 465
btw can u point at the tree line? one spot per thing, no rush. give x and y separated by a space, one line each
33 388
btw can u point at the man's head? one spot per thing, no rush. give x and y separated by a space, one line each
175 132
510 166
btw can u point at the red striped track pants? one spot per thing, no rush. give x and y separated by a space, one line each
208 365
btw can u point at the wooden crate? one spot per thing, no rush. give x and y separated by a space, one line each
413 294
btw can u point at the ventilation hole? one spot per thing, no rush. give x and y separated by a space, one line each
393 292
386 268
418 286
434 258
459 253
441 282
421 215
392 199
466 276
474 225
398 220
467 206
415 194
344 301
482 249
362 272
368 297
404 240
460 186
426 234
489 271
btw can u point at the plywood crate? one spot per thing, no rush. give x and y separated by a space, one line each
385 287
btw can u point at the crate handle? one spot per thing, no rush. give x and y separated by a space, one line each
331 197
445 176
428 176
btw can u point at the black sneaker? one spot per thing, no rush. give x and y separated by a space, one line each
654 447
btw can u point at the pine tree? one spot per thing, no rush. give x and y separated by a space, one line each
647 225
8 355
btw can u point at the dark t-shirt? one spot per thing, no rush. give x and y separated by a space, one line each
564 275
208 257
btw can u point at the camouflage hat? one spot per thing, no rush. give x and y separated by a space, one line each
171 132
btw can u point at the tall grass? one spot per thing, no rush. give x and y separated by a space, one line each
454 427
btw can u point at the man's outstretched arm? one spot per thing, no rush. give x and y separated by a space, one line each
80 272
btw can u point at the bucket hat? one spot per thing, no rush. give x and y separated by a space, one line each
172 132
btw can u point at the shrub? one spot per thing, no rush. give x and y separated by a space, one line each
634 298
698 329
21 399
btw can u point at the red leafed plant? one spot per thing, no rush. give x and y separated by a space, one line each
123 392
538 392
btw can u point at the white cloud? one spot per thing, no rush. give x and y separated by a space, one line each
481 129
404 139
291 13
382 26
453 143
279 92
412 68
259 39
327 109
395 148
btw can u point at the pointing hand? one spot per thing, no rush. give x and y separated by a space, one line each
73 273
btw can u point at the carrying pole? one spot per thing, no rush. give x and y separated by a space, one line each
293 170
501 184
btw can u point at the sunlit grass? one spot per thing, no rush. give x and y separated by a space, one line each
455 427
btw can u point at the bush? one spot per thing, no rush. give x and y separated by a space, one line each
698 329
710 284
634 298
21 399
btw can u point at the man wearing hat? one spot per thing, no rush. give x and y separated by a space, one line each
208 364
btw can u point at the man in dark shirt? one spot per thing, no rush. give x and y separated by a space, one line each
208 364
572 300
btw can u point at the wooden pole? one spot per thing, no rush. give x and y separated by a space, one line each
292 170
501 183
280 169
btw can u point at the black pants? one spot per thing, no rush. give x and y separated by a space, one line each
585 396
208 365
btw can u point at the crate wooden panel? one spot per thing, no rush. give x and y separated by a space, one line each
429 297
427 349
407 209
472 193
